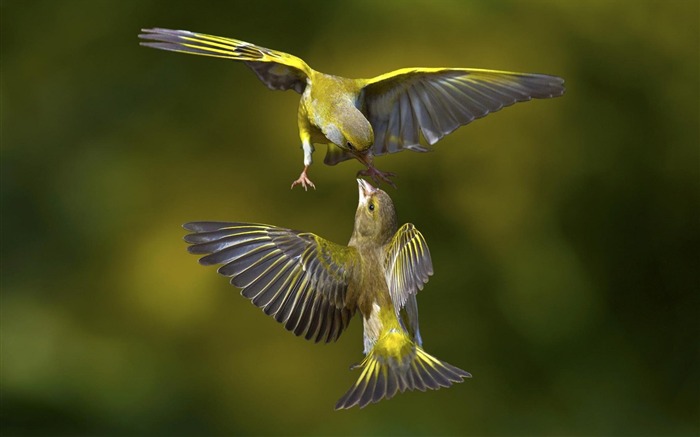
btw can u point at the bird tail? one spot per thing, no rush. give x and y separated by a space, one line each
396 364
184 41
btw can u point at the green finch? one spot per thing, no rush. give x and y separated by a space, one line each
314 287
364 118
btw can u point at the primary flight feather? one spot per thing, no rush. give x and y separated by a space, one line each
314 287
364 118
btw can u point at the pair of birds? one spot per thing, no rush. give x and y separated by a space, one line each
312 286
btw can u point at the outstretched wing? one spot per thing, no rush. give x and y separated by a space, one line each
298 278
408 267
435 101
411 311
277 70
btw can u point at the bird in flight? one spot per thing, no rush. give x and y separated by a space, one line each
314 287
364 118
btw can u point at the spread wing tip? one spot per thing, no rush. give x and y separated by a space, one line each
163 31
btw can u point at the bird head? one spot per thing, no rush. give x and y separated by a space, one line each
356 130
375 219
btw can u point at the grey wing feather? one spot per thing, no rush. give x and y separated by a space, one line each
298 278
411 309
433 102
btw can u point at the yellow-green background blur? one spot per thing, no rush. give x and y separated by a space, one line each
564 233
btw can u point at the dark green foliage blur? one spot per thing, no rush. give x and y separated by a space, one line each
565 233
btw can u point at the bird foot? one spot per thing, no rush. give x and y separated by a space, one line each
378 176
303 180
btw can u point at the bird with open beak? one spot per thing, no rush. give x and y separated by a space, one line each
314 287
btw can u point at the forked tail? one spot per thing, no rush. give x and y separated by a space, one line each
385 373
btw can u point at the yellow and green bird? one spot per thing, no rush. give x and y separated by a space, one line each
314 287
364 118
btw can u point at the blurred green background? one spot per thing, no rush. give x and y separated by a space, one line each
565 233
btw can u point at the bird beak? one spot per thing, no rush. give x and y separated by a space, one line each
366 190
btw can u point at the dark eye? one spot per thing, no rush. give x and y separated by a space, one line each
371 206
350 146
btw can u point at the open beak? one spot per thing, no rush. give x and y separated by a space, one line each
366 190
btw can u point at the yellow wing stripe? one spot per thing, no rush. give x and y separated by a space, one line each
497 74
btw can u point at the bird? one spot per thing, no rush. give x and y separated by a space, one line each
314 287
365 118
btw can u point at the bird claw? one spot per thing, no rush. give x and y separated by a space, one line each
378 176
304 181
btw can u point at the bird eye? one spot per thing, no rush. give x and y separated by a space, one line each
371 206
351 146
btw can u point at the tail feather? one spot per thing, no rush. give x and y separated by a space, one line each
203 44
383 376
277 70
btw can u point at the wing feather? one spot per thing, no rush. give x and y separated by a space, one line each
298 278
443 99
408 133
408 267
314 318
408 264
263 292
